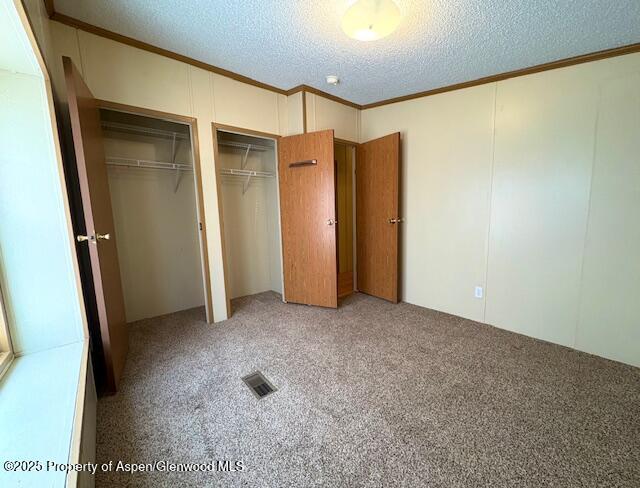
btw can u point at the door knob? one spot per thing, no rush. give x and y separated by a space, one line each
103 237
331 222
396 221
81 238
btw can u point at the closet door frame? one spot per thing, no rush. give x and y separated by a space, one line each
351 147
197 175
215 127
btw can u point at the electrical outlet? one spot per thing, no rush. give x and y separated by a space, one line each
479 292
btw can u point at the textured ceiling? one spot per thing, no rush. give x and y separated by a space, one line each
438 43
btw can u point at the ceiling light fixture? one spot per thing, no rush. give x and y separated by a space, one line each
370 20
332 80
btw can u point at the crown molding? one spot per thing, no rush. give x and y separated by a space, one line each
315 91
561 63
48 5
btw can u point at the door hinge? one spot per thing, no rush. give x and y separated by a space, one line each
200 225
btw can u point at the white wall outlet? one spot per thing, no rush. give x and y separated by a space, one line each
479 292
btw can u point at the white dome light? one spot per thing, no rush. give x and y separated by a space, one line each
370 20
332 79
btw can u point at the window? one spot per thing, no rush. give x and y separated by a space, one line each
6 353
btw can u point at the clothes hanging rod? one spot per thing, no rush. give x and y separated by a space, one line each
148 164
143 130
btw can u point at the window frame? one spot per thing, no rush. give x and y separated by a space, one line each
6 347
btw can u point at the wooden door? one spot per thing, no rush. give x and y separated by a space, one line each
98 216
377 219
308 218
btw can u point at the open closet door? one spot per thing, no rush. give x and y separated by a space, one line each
96 202
377 219
308 218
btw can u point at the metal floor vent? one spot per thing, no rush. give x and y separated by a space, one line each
258 384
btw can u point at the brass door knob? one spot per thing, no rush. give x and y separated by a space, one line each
103 237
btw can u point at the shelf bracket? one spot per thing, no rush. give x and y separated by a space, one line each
246 184
176 183
245 157
174 152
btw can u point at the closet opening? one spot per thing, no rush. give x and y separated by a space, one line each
345 167
153 173
248 194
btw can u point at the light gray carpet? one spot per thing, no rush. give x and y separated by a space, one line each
372 394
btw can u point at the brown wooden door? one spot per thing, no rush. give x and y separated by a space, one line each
377 219
308 213
98 216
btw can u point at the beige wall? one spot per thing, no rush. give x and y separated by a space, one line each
323 113
529 188
609 316
544 136
295 122
242 105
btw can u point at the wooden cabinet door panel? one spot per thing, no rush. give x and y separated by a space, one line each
377 219
98 216
308 212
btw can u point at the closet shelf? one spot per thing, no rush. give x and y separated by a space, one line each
118 126
179 168
246 173
145 163
244 145
247 147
